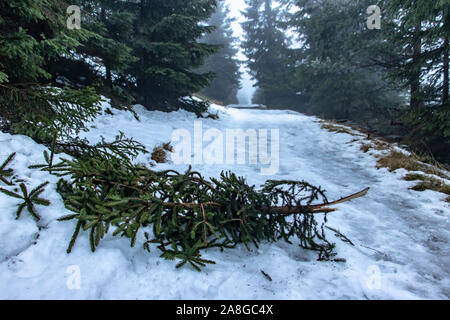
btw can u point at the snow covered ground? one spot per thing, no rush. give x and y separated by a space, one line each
401 236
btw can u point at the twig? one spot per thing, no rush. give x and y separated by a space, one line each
360 194
192 204
266 275
339 234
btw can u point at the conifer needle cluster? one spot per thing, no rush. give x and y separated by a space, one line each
184 213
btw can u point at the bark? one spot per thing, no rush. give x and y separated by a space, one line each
445 93
415 75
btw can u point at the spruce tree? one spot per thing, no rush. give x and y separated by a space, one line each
112 22
335 74
33 35
267 49
165 39
417 56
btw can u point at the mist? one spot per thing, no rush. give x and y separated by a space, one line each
248 89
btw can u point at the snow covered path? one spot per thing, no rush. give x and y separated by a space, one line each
401 236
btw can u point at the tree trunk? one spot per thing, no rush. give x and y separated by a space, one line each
445 93
109 77
415 74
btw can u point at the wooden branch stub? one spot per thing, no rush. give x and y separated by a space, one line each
318 208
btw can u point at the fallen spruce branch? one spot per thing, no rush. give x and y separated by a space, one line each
7 173
188 213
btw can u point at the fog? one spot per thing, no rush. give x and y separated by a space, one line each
246 93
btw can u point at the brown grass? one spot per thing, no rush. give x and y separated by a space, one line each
159 154
366 147
428 183
336 128
168 147
210 100
397 160
380 145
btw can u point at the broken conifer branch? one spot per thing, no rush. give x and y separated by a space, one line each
357 195
189 213
318 208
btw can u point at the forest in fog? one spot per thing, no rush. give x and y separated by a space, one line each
381 64
224 149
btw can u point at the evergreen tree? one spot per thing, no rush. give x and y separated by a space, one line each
226 83
335 74
165 39
33 35
112 22
416 54
268 53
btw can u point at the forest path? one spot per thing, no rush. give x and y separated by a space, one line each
401 236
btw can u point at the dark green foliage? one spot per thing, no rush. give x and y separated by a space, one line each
147 48
29 199
33 36
165 39
186 212
199 107
430 130
336 76
33 32
269 57
416 55
111 24
122 148
7 173
39 112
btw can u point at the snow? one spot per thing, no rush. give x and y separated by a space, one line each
247 106
401 236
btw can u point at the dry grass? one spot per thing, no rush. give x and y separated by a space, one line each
397 160
429 183
336 128
380 145
159 154
366 147
168 147
210 100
